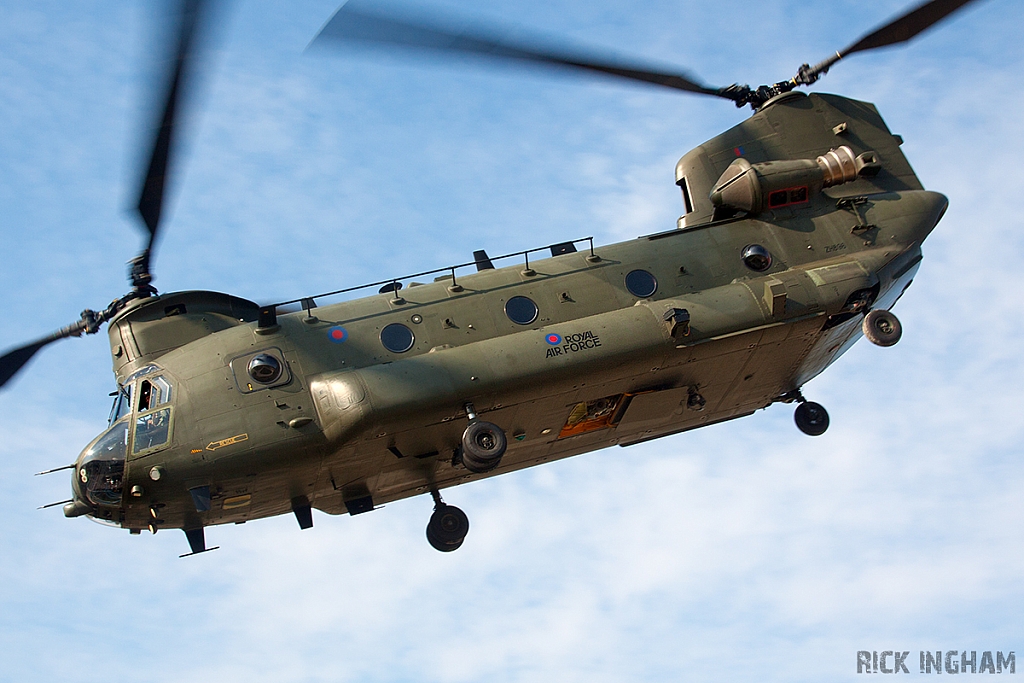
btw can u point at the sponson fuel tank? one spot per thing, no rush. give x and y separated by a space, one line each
607 346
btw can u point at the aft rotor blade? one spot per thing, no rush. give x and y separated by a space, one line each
154 184
899 30
352 25
907 26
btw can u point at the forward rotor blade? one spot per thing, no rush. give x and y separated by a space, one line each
14 360
154 190
352 25
899 30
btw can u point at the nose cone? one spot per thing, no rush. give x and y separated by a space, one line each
79 506
99 474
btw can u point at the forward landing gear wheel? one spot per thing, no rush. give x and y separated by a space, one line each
447 528
483 444
882 327
811 418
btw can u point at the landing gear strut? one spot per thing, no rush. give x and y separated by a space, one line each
447 527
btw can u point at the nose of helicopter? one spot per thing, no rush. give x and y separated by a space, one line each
78 505
99 474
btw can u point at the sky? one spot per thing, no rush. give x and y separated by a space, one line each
738 552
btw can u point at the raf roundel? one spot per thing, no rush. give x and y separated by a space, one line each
337 334
554 339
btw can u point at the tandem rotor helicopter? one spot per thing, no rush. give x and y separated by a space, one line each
802 227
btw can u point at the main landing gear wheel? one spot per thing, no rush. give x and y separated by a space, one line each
447 528
811 418
881 327
483 444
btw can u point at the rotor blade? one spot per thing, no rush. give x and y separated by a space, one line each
352 25
14 360
907 26
153 191
899 30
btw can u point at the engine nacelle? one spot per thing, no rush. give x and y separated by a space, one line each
752 188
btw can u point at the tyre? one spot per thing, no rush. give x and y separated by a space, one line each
881 327
483 444
811 418
447 528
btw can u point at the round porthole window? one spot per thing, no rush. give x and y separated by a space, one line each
641 283
264 368
397 338
521 310
756 257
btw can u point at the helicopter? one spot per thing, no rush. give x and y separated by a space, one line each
802 227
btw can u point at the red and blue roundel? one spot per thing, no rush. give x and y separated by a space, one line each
553 339
337 334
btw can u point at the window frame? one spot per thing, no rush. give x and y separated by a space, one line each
161 404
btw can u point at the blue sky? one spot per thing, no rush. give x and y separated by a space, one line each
738 552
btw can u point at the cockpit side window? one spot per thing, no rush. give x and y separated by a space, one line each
163 391
153 392
145 395
152 430
153 417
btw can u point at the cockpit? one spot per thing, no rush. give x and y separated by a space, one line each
101 466
140 423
